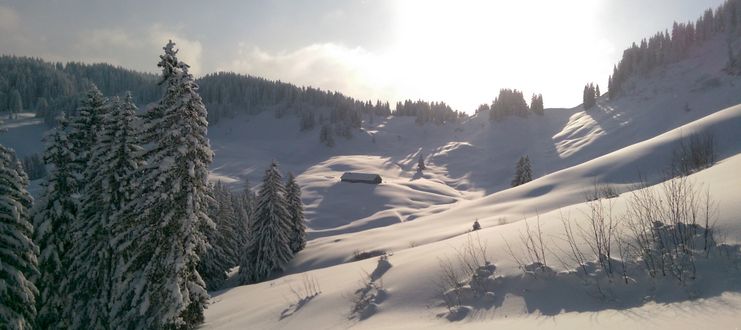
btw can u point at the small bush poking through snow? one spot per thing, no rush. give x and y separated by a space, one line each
666 229
465 264
533 249
600 191
362 255
693 154
365 301
308 290
670 226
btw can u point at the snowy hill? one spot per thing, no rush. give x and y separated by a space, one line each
418 245
420 217
472 164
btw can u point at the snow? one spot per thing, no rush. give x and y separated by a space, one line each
420 217
412 302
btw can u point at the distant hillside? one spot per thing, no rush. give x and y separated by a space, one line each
32 84
665 47
47 88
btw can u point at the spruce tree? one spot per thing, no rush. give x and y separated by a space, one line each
88 281
226 240
268 249
109 175
53 216
536 104
527 172
84 135
296 213
589 97
159 285
243 203
215 259
326 136
523 172
15 105
227 224
18 253
421 163
250 199
86 128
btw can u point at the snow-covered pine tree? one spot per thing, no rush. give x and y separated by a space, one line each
250 199
125 159
215 258
527 174
88 281
86 128
228 226
18 253
523 172
112 166
245 204
536 104
160 244
15 106
233 230
52 217
224 241
421 163
268 249
296 213
326 135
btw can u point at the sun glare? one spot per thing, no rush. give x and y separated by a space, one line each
464 51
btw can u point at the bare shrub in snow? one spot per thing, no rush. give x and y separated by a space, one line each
462 275
575 252
533 249
472 254
600 234
667 228
450 278
600 191
693 153
362 255
593 242
308 290
669 225
365 301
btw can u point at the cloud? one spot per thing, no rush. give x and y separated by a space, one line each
10 30
191 50
9 19
352 71
138 51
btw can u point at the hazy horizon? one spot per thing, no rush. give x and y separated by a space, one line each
460 52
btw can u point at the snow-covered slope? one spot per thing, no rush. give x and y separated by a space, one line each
422 216
622 168
465 161
571 149
412 300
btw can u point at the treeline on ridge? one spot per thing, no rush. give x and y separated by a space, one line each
665 47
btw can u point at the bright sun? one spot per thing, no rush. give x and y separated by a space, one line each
464 51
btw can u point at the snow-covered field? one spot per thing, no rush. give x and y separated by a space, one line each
422 218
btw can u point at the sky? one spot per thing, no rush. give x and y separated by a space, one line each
457 51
